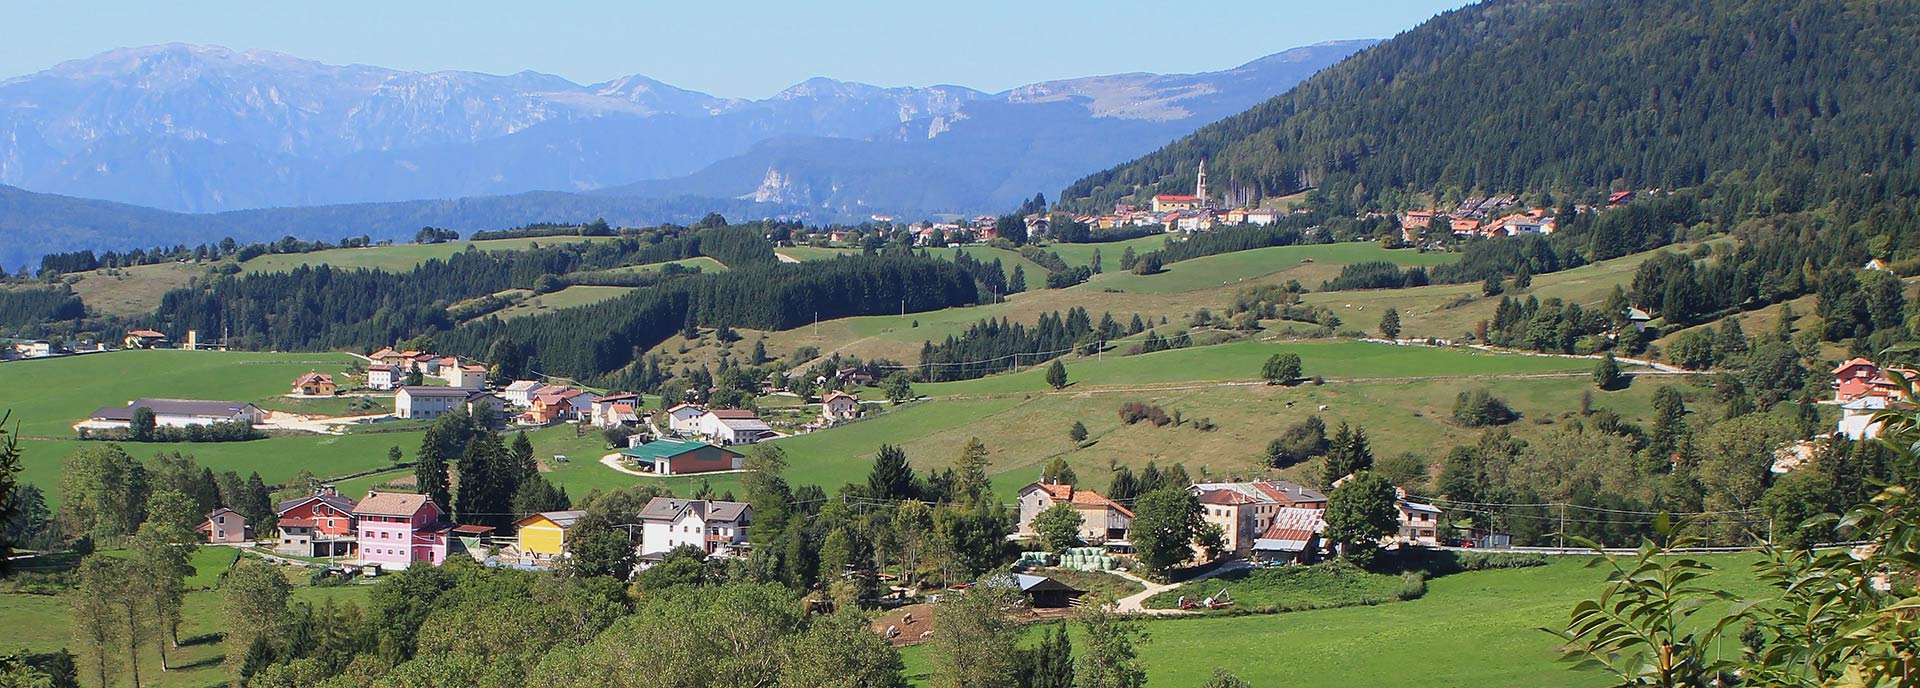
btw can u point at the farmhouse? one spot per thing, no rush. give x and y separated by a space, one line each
398 530
1101 519
733 426
551 404
317 525
226 527
32 348
682 457
177 413
839 406
543 536
616 410
1419 523
717 528
383 377
519 392
1859 378
684 419
469 376
427 402
145 339
315 384
1246 510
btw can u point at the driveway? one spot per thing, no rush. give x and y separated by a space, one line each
1135 604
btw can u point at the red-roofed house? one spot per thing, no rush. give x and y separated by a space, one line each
317 525
1292 535
397 530
1101 519
381 376
839 406
1620 198
315 384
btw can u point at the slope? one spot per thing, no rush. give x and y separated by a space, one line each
1809 98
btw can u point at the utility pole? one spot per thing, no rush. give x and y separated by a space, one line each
816 325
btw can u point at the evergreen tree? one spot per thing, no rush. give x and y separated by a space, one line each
1051 662
1606 373
1077 433
1057 374
891 478
1390 324
1018 282
430 470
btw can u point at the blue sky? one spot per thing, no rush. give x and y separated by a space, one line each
740 48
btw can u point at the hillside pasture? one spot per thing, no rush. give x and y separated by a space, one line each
1311 264
133 291
570 297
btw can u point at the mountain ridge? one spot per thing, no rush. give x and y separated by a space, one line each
208 129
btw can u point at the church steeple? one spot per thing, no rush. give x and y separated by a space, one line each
1200 183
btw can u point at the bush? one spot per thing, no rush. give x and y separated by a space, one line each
1480 408
1413 586
1136 411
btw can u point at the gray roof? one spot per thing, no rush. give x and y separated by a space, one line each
176 407
669 509
426 391
343 504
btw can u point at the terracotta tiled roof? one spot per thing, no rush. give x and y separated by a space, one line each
391 504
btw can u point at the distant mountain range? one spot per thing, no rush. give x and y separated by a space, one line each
206 129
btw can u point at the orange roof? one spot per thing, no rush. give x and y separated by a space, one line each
1855 361
1225 498
1081 498
148 334
1175 197
313 378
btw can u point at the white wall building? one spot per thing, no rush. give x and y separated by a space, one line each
717 528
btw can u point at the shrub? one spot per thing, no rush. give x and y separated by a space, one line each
1136 411
1480 408
1413 586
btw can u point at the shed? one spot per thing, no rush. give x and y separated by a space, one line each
1042 592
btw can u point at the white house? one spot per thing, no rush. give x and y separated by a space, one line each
520 392
1101 519
383 377
1419 523
684 419
733 426
615 410
839 406
1856 418
427 402
717 528
177 413
470 376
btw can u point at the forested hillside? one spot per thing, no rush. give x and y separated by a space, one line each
1790 103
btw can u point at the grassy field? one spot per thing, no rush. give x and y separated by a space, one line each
1082 254
565 298
806 253
1309 264
395 257
1333 359
1473 629
1289 588
704 263
133 290
48 396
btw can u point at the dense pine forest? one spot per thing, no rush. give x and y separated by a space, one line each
1800 105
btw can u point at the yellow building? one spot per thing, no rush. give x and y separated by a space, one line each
544 535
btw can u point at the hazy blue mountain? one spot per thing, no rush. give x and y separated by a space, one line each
989 153
206 129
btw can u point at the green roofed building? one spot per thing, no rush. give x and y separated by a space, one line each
682 457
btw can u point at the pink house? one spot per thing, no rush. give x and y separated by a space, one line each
398 530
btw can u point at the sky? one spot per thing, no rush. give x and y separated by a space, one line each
731 48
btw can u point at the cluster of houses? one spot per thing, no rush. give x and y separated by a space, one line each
1181 212
390 369
395 530
1263 520
1483 216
